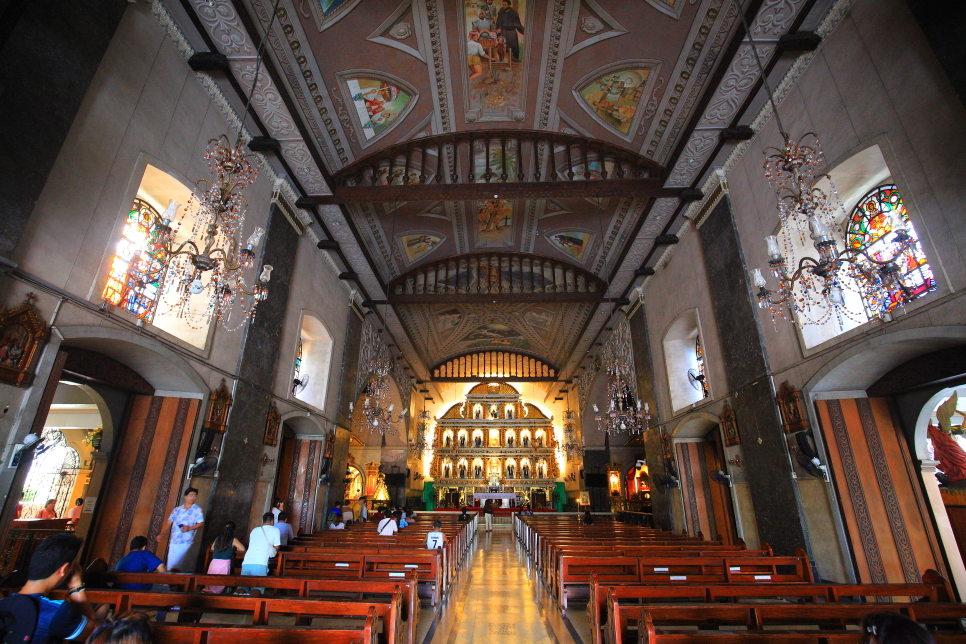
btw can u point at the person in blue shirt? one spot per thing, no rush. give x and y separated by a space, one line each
140 559
51 564
284 528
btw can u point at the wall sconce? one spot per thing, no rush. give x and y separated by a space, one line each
736 461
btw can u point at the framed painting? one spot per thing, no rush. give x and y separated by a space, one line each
272 424
219 404
794 418
728 426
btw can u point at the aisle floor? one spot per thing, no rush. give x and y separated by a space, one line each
498 598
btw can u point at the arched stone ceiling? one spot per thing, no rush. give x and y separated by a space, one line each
347 78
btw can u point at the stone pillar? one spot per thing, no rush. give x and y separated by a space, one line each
778 509
242 446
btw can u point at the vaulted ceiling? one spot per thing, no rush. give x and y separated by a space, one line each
375 84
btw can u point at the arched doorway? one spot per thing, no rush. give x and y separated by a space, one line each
706 502
873 404
132 474
304 463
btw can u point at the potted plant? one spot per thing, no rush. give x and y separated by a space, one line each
94 438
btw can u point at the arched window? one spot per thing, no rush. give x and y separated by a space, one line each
135 272
313 358
876 225
686 362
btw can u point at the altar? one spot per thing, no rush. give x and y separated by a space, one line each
506 499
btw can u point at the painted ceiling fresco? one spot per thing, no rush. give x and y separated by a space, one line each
364 75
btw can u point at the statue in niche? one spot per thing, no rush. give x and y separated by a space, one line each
477 442
447 470
448 441
382 492
494 411
509 413
509 471
525 471
526 441
509 441
478 471
462 440
462 470
478 414
541 471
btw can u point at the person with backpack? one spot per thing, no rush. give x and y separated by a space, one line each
387 526
29 615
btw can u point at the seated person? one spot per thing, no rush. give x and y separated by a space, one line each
140 559
284 528
588 518
435 539
128 628
337 524
464 516
387 526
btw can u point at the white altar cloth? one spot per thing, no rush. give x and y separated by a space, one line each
503 497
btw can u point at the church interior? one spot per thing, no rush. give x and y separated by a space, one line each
637 298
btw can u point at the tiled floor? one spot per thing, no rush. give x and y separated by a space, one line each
497 599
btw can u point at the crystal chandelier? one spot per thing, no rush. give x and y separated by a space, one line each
813 287
377 407
418 445
206 272
572 443
625 414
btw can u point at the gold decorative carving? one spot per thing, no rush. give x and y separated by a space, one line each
794 418
22 334
728 426
271 425
219 404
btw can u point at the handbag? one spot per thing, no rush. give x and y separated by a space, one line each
272 552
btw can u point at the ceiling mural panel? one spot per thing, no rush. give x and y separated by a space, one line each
614 95
354 78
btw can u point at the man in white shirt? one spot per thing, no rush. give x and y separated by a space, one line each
262 546
475 55
436 538
388 527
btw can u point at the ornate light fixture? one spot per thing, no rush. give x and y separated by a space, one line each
572 443
377 407
418 444
813 287
624 415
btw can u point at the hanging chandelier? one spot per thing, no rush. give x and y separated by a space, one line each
377 406
573 446
808 203
813 288
206 272
418 444
625 415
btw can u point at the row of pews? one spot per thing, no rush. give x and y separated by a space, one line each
649 586
336 587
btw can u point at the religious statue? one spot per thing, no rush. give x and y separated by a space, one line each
526 441
382 492
951 457
462 441
478 442
509 471
477 472
509 441
447 441
526 471
462 471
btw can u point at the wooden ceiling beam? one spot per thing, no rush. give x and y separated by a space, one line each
479 191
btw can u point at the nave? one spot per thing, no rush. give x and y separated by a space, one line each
498 597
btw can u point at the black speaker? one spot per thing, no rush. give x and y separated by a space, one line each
396 480
595 479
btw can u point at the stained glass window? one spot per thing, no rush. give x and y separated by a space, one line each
136 271
699 358
875 229
298 367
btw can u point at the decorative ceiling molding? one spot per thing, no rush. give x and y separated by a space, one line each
550 58
621 72
569 126
392 33
734 87
596 25
440 64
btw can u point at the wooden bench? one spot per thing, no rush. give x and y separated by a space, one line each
261 609
302 587
210 634
933 589
754 619
575 572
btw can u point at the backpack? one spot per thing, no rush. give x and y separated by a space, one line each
19 615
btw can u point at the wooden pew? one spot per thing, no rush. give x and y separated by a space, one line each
210 634
261 609
575 572
302 587
933 589
832 619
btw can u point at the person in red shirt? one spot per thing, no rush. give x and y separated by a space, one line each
48 511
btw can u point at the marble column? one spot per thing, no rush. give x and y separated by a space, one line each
778 508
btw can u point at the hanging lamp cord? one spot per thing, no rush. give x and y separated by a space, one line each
761 70
258 69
